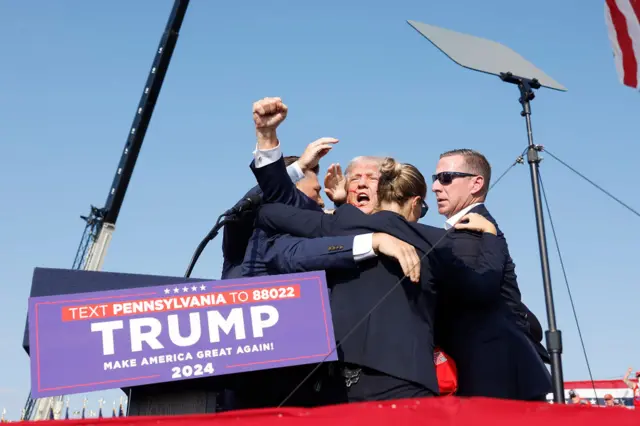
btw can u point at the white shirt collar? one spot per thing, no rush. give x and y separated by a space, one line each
456 217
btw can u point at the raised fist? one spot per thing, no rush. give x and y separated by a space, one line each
268 113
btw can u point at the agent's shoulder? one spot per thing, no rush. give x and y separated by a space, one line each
430 231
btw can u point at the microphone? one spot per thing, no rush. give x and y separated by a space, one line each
242 206
230 216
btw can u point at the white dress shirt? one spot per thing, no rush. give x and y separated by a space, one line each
456 217
362 244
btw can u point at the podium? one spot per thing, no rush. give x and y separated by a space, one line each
152 335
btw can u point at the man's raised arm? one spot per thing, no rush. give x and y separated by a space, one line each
268 164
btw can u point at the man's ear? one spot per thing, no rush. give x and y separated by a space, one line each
477 183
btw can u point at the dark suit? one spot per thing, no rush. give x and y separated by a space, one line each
290 254
491 344
236 236
392 341
535 328
235 240
475 325
255 263
279 254
510 291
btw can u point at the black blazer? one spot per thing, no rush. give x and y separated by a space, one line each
492 345
510 291
493 355
397 337
475 325
279 190
235 239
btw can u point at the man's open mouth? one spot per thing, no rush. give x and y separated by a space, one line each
362 199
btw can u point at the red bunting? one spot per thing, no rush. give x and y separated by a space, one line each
446 411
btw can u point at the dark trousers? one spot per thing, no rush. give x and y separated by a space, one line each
351 383
270 388
541 398
332 383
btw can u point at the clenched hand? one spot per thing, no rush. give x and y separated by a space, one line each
268 113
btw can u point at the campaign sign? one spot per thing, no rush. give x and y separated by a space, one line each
104 340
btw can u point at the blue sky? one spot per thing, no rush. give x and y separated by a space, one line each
72 74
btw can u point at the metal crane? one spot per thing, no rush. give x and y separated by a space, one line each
100 222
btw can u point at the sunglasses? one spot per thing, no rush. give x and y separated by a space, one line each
446 178
424 209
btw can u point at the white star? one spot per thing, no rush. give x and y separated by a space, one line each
202 287
185 289
194 288
176 290
167 291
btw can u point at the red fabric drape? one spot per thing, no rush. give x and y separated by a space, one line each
446 411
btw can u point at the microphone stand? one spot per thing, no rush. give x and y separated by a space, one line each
233 214
553 335
222 220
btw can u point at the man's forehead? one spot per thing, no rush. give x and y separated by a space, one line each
368 167
452 163
310 174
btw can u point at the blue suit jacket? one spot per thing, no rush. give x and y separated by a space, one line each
281 254
474 323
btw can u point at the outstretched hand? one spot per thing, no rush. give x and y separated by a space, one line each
335 184
314 152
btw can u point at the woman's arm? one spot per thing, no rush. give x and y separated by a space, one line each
280 218
347 220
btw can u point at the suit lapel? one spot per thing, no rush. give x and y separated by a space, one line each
481 209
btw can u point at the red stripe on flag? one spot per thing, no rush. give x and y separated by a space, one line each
635 5
629 63
599 384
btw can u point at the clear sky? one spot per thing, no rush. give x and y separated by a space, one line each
72 73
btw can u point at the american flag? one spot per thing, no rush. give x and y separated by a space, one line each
621 393
623 25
